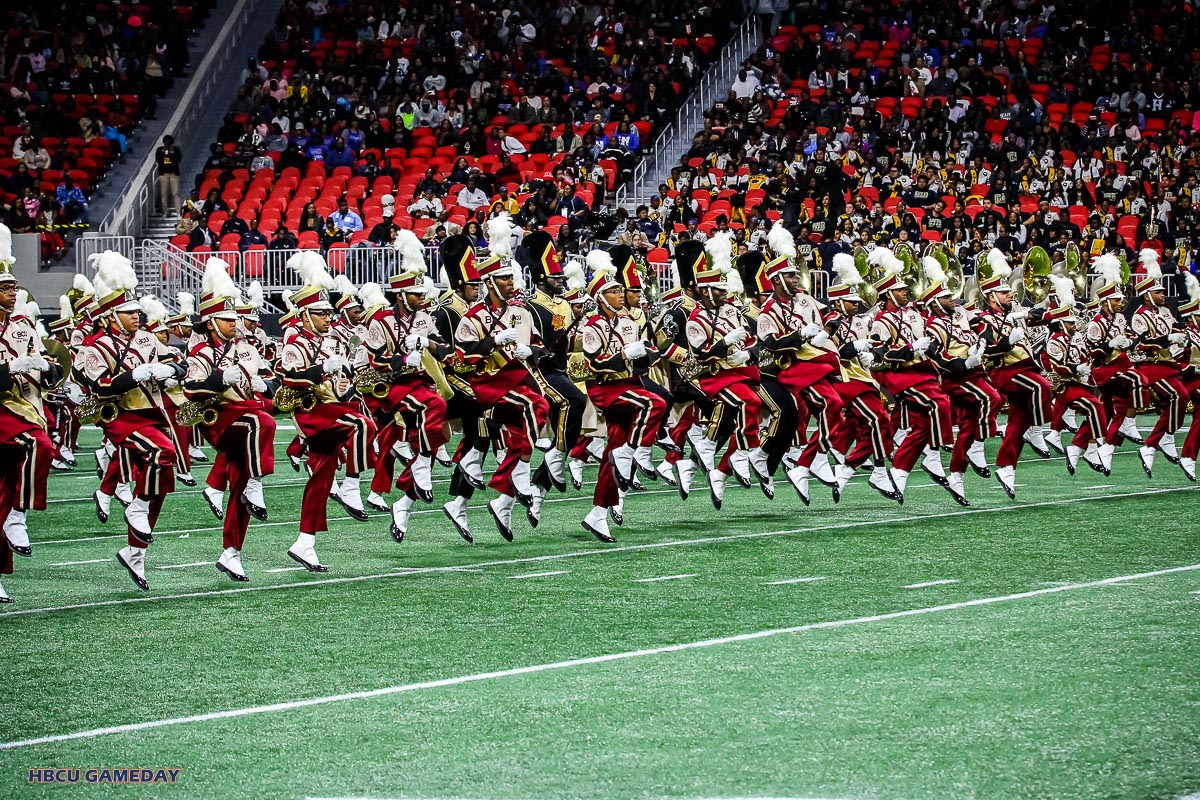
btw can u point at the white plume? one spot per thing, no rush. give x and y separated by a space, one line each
19 307
343 286
371 295
412 252
82 284
600 262
431 290
719 249
934 271
780 240
886 260
153 308
574 274
6 256
255 297
311 268
845 269
114 273
33 311
443 277
1109 266
999 264
733 282
64 307
1149 261
499 236
1064 289
216 280
186 302
1193 286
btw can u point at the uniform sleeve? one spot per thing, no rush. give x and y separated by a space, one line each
1054 358
593 344
375 346
294 370
698 341
202 380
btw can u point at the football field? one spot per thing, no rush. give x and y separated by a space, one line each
1047 648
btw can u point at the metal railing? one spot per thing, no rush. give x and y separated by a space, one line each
90 244
133 212
657 161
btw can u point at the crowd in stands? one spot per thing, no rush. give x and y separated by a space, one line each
432 115
75 80
1011 125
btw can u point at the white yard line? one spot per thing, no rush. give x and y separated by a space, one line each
793 580
631 548
579 662
667 578
1100 486
187 566
537 575
77 563
285 569
942 582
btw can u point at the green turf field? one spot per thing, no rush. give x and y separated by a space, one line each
1049 649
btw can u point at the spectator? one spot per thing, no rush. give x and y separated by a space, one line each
471 196
252 236
283 239
168 157
331 235
427 206
345 219
234 226
72 201
36 158
384 231
310 220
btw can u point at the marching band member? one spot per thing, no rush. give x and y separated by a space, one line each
396 343
1065 360
496 337
326 407
902 368
1108 337
63 403
173 395
126 369
617 356
957 352
227 381
1190 373
1014 371
1154 334
183 337
867 423
25 446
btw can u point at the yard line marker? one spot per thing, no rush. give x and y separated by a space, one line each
631 548
185 566
285 569
580 662
1101 486
77 563
1192 796
793 580
942 582
537 575
667 578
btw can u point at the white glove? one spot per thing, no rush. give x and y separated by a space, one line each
735 336
74 392
821 339
258 384
866 358
974 360
170 383
1017 314
978 348
19 366
1016 335
522 351
922 344
1177 338
141 373
416 341
810 330
1119 342
41 364
505 336
162 371
233 376
634 350
1084 371
413 359
333 364
739 358
862 345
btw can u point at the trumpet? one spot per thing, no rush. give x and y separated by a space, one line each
197 412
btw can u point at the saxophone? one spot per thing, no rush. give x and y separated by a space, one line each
92 410
197 412
288 400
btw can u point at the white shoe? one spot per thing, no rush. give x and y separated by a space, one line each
706 449
351 499
256 503
596 523
958 487
844 474
685 468
1167 446
739 463
798 477
1105 451
304 552
1037 440
667 473
1007 476
898 436
899 480
622 459
716 487
67 455
554 465
595 448
501 511
641 457
522 484
442 456
822 471
1189 467
102 461
216 501
377 502
792 456
575 467
62 466
1069 420
17 532
456 512
185 478
534 512
422 472
758 464
1146 454
400 512
543 443
1074 453
472 466
977 458
1129 431
230 563
931 462
124 494
617 513
196 454
881 481
4 598
137 516
1092 457
103 505
1054 440
133 559
403 452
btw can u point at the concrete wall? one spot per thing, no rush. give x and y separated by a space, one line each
46 287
